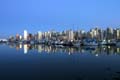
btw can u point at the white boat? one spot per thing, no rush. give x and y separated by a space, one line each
90 43
103 43
76 44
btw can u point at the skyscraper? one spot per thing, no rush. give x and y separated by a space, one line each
39 35
17 37
117 33
25 34
70 35
20 37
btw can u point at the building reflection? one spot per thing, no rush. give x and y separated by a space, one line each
20 46
25 48
40 48
95 50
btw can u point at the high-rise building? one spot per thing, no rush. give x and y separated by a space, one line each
94 33
49 34
20 37
25 34
79 34
39 35
70 35
109 33
30 36
17 37
117 34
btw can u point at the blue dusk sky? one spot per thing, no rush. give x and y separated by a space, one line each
44 15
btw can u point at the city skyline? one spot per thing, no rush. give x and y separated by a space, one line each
66 29
98 34
60 39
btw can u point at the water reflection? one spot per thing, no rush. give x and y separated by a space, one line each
95 50
73 67
116 76
25 48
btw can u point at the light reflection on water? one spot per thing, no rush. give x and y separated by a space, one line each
74 63
96 50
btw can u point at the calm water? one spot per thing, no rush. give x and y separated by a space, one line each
40 62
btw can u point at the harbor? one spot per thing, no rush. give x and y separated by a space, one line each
76 38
